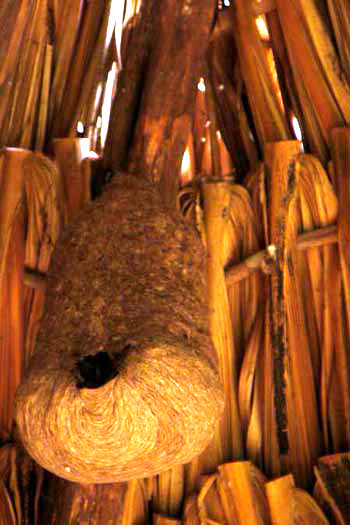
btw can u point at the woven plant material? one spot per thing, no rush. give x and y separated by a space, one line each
123 383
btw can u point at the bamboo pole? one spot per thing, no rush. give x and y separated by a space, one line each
216 201
12 253
244 486
278 495
278 156
295 395
341 158
69 156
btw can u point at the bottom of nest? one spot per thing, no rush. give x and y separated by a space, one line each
160 410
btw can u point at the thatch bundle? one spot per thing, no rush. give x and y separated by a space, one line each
123 383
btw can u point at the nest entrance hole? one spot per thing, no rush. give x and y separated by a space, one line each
96 370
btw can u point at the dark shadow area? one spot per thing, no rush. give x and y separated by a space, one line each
96 370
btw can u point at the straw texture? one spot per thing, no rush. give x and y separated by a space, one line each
124 381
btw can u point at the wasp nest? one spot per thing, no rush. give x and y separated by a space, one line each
124 380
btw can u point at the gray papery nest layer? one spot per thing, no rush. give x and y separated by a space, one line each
124 380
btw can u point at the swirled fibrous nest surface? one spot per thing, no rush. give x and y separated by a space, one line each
123 383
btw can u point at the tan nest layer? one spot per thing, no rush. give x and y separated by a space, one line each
124 382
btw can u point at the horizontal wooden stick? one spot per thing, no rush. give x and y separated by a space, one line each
262 260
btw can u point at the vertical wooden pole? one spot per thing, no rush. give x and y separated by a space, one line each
12 252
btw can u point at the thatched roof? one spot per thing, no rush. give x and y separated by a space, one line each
244 107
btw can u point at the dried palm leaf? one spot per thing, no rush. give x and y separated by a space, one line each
223 63
135 506
7 513
209 503
168 491
22 111
191 511
290 505
323 93
304 509
269 120
339 11
332 488
43 190
67 20
78 63
14 18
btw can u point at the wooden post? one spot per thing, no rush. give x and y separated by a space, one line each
12 253
76 181
178 33
295 396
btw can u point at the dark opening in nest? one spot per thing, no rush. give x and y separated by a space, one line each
96 370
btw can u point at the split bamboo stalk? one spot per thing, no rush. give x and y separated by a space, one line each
22 108
66 26
191 511
135 507
44 99
293 361
83 55
227 443
269 120
278 495
16 27
168 493
91 93
210 505
7 513
12 253
222 59
216 217
324 95
278 156
244 485
288 504
284 72
27 131
341 158
69 156
339 11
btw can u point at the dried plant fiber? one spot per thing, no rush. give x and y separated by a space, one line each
123 383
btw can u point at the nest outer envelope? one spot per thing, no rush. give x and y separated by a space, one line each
128 279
